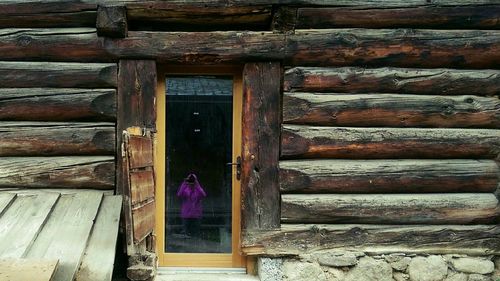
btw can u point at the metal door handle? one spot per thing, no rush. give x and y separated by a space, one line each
238 167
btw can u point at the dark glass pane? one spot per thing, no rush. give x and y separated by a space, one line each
199 146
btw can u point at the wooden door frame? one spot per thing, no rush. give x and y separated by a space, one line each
235 259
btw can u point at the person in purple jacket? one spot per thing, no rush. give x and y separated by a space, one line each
191 193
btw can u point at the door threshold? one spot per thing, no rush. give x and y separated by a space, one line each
203 274
200 270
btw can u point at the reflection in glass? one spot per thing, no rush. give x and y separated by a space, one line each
199 146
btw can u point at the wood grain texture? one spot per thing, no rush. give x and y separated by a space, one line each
439 81
6 200
260 145
50 104
441 208
112 21
366 143
142 187
56 139
388 176
438 17
93 172
394 47
143 218
391 110
57 74
298 239
99 257
28 269
284 19
140 152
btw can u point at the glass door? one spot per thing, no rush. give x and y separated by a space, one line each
197 152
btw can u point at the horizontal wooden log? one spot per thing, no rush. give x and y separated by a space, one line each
439 17
393 80
53 139
58 75
391 110
388 176
67 13
394 47
439 208
363 143
196 17
112 21
49 104
298 239
90 172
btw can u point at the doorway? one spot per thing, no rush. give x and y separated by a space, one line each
197 151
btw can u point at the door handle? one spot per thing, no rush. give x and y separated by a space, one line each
238 167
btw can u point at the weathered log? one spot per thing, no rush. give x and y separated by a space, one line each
388 176
394 47
284 19
393 80
391 110
439 17
297 239
260 146
112 21
92 172
198 16
37 104
363 143
54 139
58 75
67 13
439 208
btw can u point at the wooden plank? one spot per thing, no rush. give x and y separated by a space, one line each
27 269
49 104
56 139
66 233
391 110
23 221
260 145
439 81
460 208
6 200
143 220
57 74
388 176
363 143
99 257
142 186
67 13
438 17
394 47
376 239
140 152
165 15
112 21
94 172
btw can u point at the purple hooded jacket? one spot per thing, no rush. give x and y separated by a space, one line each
191 197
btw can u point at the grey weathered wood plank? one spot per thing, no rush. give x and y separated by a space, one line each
94 172
57 74
376 239
22 222
27 269
52 104
66 233
440 208
6 200
56 139
99 257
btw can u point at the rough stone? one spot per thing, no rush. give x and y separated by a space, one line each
496 273
334 274
399 276
141 273
394 257
431 268
337 259
369 269
402 264
473 265
479 277
270 269
303 271
456 276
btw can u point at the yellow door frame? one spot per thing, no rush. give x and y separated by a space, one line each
235 259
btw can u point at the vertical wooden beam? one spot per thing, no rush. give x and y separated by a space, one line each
260 146
136 94
112 21
284 19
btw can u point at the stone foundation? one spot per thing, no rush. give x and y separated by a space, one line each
358 266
